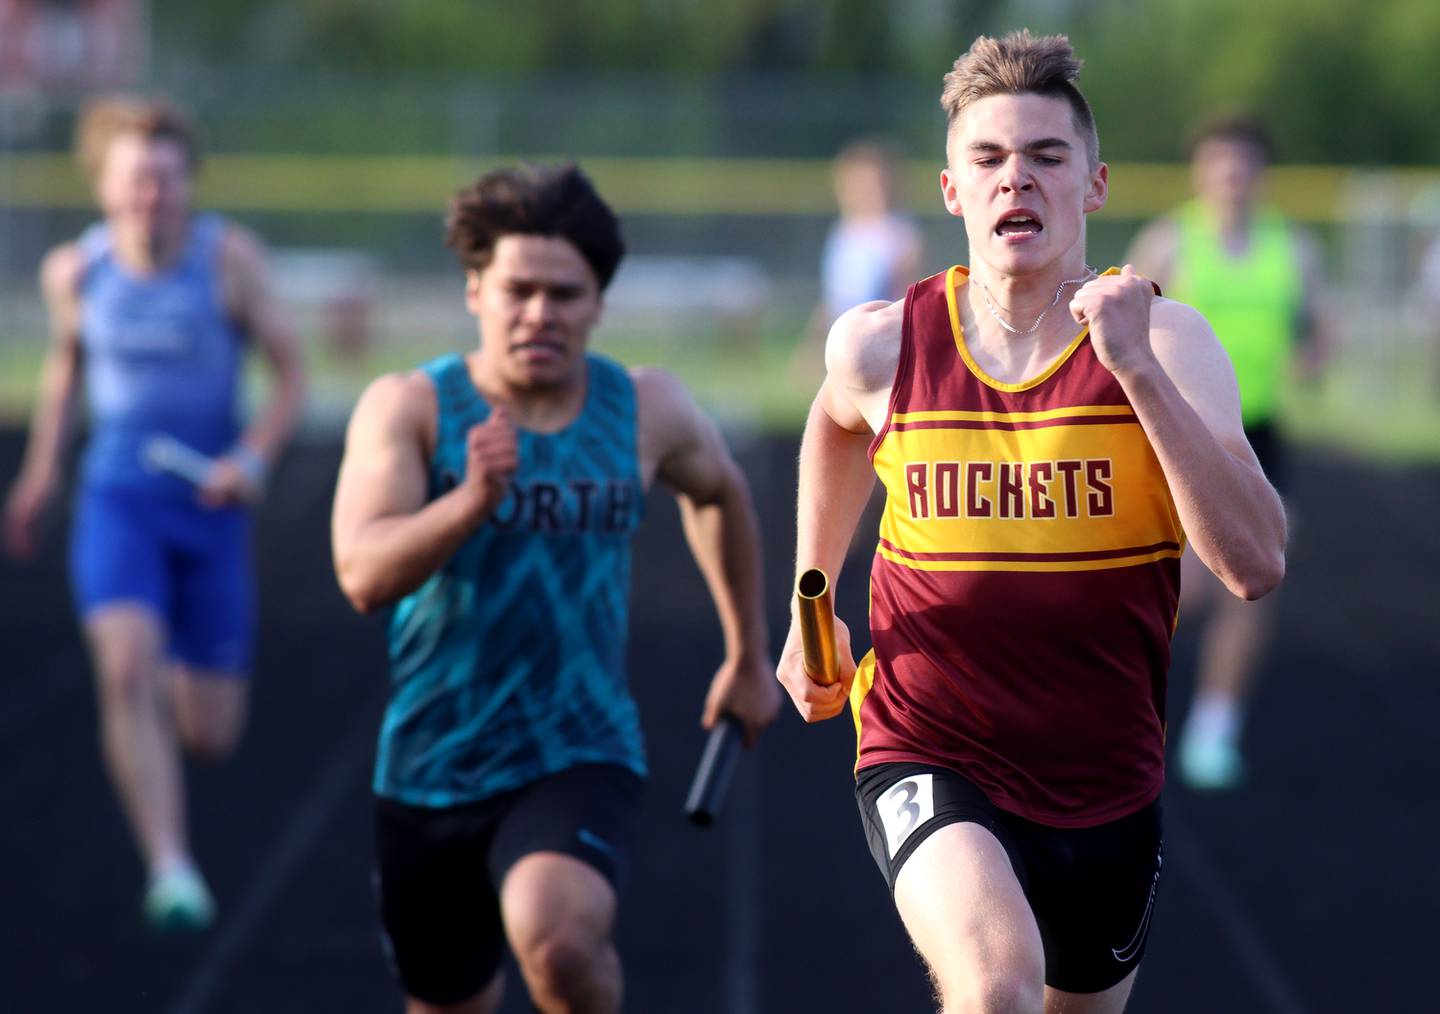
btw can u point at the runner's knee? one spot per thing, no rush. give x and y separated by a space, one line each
561 960
209 740
125 649
127 676
1013 987
210 714
557 916
988 970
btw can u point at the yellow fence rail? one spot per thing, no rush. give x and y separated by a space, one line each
667 186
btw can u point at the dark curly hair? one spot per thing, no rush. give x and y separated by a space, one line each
539 201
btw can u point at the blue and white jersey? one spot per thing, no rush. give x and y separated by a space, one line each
160 356
860 259
509 663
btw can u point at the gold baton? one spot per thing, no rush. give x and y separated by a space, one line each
817 626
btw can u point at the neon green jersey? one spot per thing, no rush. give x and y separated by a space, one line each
1252 301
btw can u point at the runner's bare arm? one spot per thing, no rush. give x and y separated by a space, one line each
1230 512
1183 390
681 448
251 304
836 477
386 538
53 416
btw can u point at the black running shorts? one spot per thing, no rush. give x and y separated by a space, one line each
440 870
1092 890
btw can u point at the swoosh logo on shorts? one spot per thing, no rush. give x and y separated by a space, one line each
1126 954
594 841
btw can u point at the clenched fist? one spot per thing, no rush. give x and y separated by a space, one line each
491 457
24 510
1117 310
228 482
814 702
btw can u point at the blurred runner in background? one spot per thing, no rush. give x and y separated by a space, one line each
1258 280
153 311
872 250
491 498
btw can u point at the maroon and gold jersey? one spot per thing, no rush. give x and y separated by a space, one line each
1025 584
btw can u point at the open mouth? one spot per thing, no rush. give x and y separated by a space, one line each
538 345
1018 223
538 352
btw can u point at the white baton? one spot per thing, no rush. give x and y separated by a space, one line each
163 453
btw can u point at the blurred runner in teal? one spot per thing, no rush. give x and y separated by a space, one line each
490 499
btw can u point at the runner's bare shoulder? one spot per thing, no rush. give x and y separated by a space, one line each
863 349
665 410
1174 322
60 276
401 405
60 272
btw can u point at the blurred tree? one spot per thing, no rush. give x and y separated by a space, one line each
1339 83
1335 82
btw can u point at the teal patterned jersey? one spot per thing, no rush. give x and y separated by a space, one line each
509 663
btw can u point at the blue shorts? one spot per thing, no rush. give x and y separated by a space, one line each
189 563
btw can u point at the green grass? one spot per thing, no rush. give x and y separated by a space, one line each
19 372
745 379
1391 414
751 380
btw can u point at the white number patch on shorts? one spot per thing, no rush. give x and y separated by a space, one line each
904 806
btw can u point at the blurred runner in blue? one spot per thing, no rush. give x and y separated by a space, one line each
490 498
152 310
872 249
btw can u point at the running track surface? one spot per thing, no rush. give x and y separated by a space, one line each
1311 890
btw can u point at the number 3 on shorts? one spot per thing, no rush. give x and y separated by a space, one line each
904 806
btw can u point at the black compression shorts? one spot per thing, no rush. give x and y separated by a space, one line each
1092 890
440 870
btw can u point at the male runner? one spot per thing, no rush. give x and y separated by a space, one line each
154 309
1011 716
872 249
491 499
1257 279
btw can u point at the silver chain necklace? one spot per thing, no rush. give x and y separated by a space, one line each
995 312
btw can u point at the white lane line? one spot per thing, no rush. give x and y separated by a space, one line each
296 840
1220 900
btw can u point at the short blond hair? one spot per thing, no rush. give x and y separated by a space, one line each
111 116
1019 64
